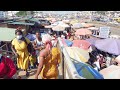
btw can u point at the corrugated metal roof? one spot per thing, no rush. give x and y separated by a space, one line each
8 21
7 34
22 23
33 19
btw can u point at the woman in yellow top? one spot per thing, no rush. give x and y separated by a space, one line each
49 60
19 47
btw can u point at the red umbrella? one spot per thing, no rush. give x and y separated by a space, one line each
83 32
81 44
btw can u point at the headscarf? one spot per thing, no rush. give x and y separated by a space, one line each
47 40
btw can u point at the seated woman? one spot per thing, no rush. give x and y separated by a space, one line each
7 68
49 60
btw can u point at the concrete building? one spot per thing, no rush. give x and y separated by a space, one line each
3 15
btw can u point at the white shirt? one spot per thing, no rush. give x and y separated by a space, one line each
39 43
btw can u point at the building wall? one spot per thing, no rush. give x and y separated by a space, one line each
3 14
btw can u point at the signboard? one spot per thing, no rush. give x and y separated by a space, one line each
104 32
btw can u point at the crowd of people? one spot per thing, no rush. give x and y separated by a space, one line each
42 53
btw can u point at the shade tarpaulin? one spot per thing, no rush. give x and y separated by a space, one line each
7 34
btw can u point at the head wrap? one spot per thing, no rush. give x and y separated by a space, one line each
47 40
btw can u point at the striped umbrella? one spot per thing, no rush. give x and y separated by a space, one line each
78 54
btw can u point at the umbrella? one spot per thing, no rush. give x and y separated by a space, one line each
64 25
58 28
53 20
111 72
81 44
83 32
50 26
87 25
77 25
66 21
67 42
93 28
92 40
74 21
78 54
109 45
87 71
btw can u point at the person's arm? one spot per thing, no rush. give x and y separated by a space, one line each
13 48
40 66
12 68
35 46
14 51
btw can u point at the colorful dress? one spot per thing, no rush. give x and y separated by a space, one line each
22 51
50 65
7 68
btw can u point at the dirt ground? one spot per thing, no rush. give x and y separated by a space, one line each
115 29
32 73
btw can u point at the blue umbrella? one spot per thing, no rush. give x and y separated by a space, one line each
87 71
109 45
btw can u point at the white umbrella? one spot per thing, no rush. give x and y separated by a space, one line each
93 28
50 26
58 28
64 25
77 25
66 21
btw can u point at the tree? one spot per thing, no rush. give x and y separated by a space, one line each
21 13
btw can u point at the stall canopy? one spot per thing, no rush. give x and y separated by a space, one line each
21 23
7 34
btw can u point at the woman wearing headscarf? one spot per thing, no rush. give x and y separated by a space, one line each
22 52
49 60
